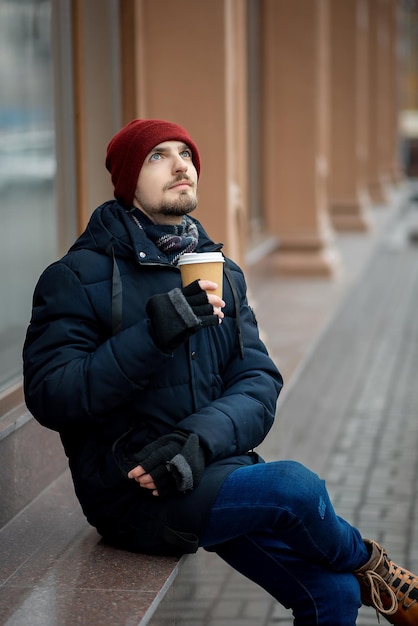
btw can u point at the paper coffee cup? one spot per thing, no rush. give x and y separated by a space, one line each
202 266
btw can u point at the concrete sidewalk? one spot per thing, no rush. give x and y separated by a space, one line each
349 351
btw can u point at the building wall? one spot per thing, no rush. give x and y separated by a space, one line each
262 122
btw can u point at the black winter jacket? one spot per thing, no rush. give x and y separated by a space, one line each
92 371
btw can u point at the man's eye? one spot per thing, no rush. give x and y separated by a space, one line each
186 153
155 157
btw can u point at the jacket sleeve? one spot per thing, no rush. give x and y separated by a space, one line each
72 372
241 417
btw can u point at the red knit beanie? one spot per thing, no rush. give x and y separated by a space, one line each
127 150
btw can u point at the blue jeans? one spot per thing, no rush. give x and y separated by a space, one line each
274 523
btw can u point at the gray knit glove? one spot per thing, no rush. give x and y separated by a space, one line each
178 314
176 461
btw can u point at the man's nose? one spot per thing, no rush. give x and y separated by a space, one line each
180 165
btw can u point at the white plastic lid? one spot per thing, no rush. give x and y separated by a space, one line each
200 257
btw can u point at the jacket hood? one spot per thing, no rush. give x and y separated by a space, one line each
110 230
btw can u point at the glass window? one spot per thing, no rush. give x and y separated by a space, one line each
28 240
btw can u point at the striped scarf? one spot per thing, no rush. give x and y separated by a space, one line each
171 240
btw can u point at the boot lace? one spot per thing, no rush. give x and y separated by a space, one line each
396 579
377 583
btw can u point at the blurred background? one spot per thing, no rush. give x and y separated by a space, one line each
306 117
305 113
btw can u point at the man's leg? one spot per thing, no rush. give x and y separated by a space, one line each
274 523
293 502
316 595
271 504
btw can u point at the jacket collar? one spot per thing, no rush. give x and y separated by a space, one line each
111 228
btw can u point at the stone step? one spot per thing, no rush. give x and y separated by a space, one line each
32 457
55 569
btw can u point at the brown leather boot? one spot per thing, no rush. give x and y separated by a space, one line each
390 589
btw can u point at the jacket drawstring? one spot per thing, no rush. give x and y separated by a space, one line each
116 294
230 279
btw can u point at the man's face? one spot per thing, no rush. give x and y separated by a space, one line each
167 183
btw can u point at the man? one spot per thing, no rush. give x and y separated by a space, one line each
161 393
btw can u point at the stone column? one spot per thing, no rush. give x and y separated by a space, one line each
95 72
380 135
349 199
190 67
295 119
397 174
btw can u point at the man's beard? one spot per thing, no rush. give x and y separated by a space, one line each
182 206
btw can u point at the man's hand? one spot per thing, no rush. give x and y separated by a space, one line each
176 315
143 479
215 301
172 463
